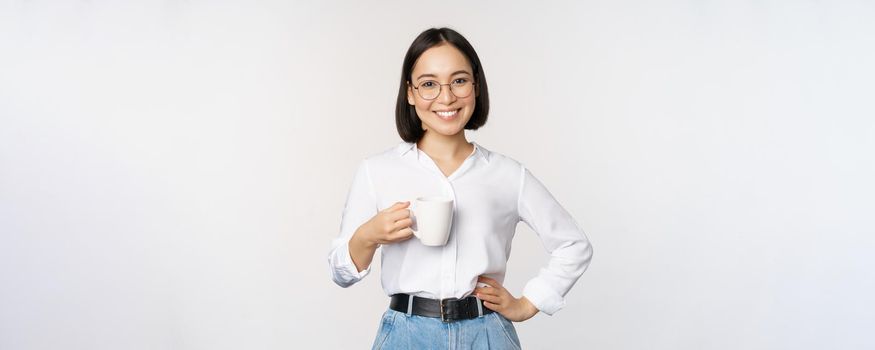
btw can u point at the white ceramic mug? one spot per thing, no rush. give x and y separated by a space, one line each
433 217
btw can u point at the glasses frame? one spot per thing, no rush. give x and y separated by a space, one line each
441 89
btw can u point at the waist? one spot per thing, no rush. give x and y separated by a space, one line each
448 310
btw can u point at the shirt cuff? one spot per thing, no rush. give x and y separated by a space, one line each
543 297
345 272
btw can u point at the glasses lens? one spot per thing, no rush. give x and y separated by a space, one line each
429 90
462 88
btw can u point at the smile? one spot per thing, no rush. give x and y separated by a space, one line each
447 115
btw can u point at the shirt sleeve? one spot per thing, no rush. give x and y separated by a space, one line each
360 206
569 249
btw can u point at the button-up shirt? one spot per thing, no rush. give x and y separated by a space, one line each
491 193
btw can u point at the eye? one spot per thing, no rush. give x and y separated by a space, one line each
428 84
460 81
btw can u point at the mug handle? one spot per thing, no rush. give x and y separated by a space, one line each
413 226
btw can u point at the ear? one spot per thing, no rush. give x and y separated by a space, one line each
410 99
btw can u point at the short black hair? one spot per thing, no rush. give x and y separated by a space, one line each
408 123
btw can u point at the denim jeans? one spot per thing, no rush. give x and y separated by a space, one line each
400 331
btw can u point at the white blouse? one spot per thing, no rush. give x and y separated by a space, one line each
491 194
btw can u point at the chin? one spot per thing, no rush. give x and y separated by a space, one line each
449 130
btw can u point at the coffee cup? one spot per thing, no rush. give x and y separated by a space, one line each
433 217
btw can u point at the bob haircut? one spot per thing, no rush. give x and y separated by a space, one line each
408 123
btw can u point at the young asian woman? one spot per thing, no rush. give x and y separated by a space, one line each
451 296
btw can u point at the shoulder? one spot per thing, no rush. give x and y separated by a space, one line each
390 154
499 159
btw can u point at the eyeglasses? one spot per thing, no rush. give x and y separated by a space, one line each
430 89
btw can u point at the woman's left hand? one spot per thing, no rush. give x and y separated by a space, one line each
498 299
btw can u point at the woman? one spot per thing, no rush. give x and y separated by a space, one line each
451 296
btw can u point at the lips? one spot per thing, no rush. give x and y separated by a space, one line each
447 115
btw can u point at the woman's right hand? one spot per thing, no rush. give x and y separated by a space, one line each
390 225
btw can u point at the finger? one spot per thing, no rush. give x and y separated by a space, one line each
491 306
486 290
397 206
403 223
401 235
490 298
489 281
395 240
398 215
402 239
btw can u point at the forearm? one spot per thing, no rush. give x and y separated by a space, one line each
361 251
547 290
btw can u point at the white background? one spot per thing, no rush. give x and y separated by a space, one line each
172 172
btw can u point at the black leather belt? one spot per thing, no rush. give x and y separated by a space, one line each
448 310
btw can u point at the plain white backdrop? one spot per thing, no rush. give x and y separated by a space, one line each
172 172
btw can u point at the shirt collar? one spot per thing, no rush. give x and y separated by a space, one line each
410 147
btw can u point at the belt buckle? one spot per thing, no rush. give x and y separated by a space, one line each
443 315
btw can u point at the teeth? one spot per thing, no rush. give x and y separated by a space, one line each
447 114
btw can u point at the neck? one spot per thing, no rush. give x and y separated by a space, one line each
439 146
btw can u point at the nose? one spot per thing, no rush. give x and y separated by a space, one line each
445 96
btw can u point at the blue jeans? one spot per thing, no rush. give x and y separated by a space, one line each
400 331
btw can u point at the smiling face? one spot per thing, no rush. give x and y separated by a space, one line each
447 114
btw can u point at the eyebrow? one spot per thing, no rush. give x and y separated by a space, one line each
435 76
